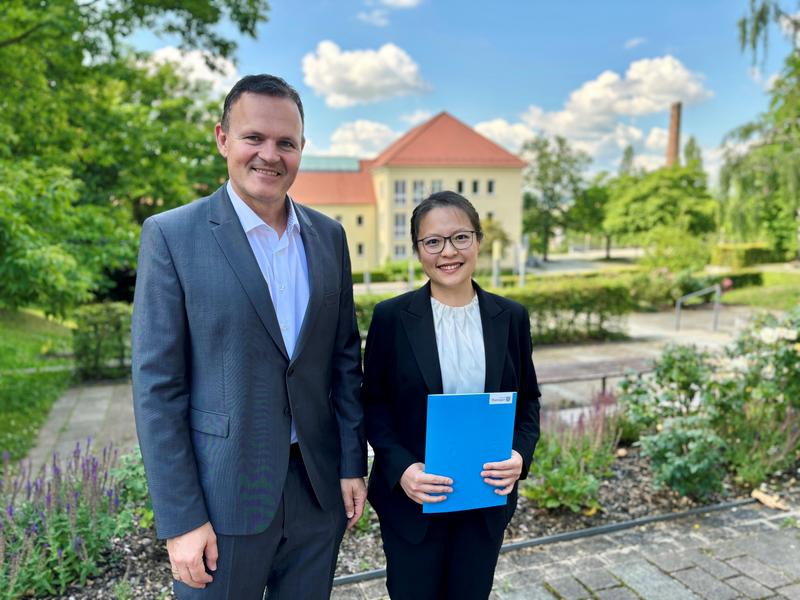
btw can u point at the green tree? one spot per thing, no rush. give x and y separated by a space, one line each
129 139
492 230
587 213
692 155
552 180
626 164
673 197
760 184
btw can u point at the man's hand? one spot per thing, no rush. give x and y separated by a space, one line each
354 494
186 556
419 485
503 474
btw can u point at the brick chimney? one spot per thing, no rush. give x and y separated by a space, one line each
674 144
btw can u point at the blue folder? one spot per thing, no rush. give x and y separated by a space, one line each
464 432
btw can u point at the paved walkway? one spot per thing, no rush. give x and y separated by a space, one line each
105 412
749 552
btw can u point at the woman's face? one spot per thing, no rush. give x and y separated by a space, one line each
451 268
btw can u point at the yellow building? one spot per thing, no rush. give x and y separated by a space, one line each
373 199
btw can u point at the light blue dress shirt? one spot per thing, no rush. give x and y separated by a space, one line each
282 261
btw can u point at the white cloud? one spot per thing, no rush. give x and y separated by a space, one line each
417 117
593 116
361 138
401 3
193 65
649 161
657 139
509 135
377 17
346 78
633 42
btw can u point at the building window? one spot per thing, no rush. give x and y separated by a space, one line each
436 186
338 218
460 186
359 220
419 191
489 216
490 187
475 186
360 249
399 251
399 225
399 193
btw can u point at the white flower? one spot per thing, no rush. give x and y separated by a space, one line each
768 372
768 335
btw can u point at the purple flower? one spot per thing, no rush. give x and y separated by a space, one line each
77 543
10 511
68 507
48 500
60 552
6 457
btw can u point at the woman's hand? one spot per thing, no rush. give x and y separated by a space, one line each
503 474
419 485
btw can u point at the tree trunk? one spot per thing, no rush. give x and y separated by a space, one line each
608 247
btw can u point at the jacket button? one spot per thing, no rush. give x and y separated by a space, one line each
291 371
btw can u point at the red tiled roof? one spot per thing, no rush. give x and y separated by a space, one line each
444 141
333 187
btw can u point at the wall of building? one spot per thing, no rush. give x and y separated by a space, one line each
359 223
503 202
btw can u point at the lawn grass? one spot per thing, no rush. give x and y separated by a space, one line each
28 341
780 291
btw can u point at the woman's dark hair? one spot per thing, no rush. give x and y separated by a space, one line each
265 85
446 199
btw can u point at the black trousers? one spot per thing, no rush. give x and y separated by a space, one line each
455 560
294 558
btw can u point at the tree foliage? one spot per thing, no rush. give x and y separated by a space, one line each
129 138
672 197
552 180
760 180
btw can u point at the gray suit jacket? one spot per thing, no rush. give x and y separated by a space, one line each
213 388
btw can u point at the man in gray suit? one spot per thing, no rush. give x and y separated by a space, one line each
246 369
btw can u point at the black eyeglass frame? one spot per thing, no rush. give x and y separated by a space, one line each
449 238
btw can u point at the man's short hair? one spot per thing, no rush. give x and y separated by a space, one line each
266 85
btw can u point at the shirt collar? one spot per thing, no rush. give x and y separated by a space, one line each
250 220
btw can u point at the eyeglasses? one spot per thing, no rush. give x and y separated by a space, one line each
434 244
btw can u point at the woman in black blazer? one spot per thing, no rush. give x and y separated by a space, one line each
448 335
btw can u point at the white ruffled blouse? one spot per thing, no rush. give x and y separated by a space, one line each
459 340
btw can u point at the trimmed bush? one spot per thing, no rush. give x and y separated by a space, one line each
102 340
572 310
375 276
738 256
365 304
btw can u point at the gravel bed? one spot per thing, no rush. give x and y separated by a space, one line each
138 567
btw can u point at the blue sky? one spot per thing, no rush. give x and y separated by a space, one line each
600 73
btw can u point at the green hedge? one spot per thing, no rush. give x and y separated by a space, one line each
738 256
375 276
102 340
561 311
573 310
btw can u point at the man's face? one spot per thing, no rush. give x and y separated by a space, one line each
262 146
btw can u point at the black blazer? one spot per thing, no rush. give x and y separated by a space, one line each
401 367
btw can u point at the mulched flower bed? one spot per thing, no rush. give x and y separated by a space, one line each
139 567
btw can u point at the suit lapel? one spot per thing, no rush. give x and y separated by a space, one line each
494 322
316 282
233 242
418 323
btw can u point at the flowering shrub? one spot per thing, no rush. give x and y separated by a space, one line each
56 525
571 459
746 399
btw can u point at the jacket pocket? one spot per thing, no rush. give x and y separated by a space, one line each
209 422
